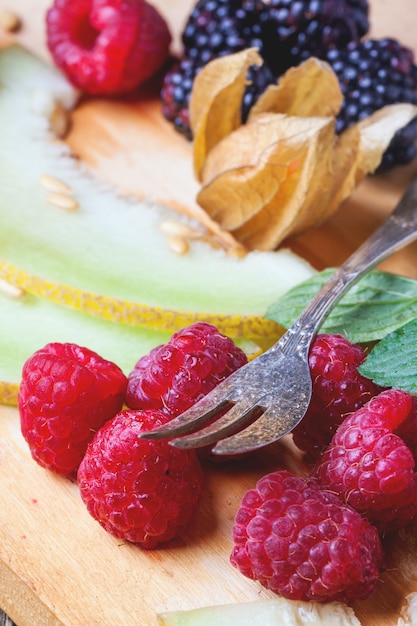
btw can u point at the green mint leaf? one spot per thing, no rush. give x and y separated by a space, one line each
377 305
393 361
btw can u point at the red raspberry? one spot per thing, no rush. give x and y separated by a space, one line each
407 430
371 468
338 389
140 491
175 375
67 393
303 543
107 46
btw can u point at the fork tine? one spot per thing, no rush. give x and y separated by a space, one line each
237 417
214 403
273 424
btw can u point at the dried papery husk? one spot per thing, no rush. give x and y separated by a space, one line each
359 149
285 171
216 101
308 90
258 191
301 199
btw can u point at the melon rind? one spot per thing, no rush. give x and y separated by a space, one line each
276 612
110 258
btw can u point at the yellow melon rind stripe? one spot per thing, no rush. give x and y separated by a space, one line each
9 393
253 327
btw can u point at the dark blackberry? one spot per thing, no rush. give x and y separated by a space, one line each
403 147
214 28
294 30
217 27
372 74
176 93
258 77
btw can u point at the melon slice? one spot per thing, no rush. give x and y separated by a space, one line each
279 612
110 258
28 323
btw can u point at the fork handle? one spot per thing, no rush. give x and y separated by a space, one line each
398 229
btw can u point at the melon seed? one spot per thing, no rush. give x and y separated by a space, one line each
13 291
171 227
9 21
63 202
178 244
55 185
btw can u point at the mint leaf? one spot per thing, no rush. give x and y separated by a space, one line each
393 361
377 305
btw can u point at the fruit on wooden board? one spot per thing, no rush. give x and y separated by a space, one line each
107 255
277 612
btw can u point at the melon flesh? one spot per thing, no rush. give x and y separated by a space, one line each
28 323
110 258
279 612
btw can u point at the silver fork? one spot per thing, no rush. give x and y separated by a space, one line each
265 399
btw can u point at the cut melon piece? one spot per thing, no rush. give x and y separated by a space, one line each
28 323
279 612
110 258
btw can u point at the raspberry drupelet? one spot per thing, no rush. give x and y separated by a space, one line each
144 492
303 543
177 374
66 394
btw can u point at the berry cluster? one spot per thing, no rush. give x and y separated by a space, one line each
321 537
372 73
70 405
318 537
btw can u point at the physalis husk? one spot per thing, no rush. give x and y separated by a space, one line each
285 170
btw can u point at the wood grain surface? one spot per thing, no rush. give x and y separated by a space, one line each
57 566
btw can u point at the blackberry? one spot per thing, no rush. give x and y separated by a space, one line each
372 74
214 28
178 83
258 77
284 31
217 27
294 30
176 93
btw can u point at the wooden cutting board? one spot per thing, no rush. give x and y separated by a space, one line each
57 566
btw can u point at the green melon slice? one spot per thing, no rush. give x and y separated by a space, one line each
28 323
279 612
109 258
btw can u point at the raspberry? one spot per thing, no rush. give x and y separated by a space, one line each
140 491
175 375
372 74
303 543
338 389
407 430
66 394
107 46
369 466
